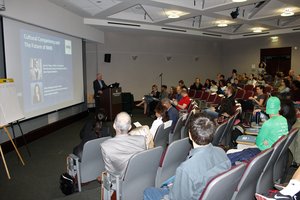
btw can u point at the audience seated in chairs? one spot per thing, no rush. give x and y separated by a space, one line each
269 133
172 93
178 93
254 102
118 150
182 85
226 108
204 162
184 101
196 85
171 111
295 91
91 130
161 117
147 99
284 87
207 84
164 92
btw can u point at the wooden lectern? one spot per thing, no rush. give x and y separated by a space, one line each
111 102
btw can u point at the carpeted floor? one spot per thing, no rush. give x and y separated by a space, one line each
39 178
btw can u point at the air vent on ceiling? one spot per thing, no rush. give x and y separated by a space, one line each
253 34
173 29
212 34
296 29
124 24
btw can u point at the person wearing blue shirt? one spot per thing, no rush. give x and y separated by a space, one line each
204 162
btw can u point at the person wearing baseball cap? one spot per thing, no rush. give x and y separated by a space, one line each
274 127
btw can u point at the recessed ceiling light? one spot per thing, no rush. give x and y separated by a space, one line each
175 13
222 23
257 30
274 38
239 0
287 12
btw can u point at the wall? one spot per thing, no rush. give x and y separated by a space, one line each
242 53
48 15
151 49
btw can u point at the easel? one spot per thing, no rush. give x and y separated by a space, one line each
2 155
24 140
10 111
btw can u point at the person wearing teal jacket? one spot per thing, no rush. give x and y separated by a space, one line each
273 128
270 132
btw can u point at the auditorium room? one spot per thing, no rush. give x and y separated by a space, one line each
149 99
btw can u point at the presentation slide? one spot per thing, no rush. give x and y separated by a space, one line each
46 67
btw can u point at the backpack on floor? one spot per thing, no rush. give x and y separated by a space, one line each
67 184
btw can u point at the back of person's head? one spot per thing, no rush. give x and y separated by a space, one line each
234 71
261 87
286 82
166 102
164 87
184 91
122 123
296 84
230 89
162 111
201 129
181 82
97 128
273 106
288 110
213 82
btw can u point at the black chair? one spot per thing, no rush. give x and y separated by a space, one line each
281 162
265 181
219 133
161 137
247 185
223 185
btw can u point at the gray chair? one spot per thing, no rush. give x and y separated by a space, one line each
140 173
265 181
247 185
219 133
161 137
281 162
176 135
91 164
223 185
185 128
176 153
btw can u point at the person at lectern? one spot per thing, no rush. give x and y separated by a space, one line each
99 85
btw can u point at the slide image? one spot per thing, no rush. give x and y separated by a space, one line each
36 69
36 92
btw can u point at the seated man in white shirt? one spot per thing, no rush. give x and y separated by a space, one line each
118 150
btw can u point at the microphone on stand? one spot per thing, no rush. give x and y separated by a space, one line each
160 75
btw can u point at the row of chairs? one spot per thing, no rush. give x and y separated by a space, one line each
91 164
150 168
258 176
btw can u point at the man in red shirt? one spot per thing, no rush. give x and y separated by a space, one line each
184 101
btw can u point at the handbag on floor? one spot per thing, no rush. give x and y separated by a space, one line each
67 184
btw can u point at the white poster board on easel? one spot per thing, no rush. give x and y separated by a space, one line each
10 109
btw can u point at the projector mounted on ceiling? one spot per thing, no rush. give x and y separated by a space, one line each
2 5
235 14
